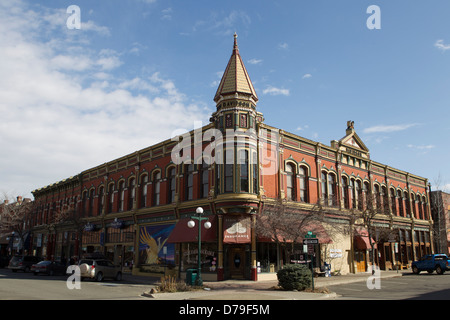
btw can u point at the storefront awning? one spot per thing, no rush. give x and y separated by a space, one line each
182 233
361 241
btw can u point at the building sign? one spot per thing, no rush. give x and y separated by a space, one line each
236 230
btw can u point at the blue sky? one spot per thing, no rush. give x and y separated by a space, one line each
138 70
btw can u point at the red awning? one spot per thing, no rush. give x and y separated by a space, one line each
182 233
361 240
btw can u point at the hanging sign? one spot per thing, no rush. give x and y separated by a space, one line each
236 230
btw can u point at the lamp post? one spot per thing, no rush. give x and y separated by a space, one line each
207 225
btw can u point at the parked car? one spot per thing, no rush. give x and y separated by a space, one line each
430 263
99 269
23 263
49 267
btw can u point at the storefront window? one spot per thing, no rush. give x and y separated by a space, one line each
208 259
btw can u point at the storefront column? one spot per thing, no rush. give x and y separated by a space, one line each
254 270
220 271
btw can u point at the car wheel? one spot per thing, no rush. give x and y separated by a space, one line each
439 270
415 270
99 277
119 276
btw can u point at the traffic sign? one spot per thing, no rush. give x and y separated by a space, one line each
311 241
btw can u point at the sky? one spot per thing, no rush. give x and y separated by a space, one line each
132 72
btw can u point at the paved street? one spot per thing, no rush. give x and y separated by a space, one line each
393 286
26 286
410 286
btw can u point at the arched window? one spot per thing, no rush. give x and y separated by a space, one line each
171 187
407 204
420 204
303 184
359 194
121 195
189 182
131 193
377 197
345 193
401 213
228 167
290 182
84 200
329 189
110 198
385 199
91 202
255 173
156 182
393 202
144 188
101 199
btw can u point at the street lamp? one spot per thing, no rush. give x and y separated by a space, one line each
207 225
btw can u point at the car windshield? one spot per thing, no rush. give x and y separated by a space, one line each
44 262
16 258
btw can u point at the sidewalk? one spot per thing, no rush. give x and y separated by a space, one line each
259 290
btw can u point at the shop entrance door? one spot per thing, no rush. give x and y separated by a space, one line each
236 262
360 259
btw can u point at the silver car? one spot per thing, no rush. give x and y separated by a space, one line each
99 269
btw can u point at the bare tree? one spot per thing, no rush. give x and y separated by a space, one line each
16 217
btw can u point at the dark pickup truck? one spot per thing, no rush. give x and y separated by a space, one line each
430 263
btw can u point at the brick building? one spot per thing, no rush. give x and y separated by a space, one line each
135 209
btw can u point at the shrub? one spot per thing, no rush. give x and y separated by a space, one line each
294 277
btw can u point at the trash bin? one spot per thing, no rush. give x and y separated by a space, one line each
191 276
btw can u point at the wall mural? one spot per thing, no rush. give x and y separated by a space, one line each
152 239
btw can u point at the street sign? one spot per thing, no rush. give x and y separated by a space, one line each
311 241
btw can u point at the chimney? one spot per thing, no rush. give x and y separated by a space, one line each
19 199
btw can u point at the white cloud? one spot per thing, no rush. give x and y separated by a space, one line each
254 61
64 111
440 45
425 147
276 91
307 76
283 46
389 128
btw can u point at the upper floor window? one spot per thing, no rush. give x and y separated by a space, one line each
171 185
144 188
131 193
156 188
204 177
329 189
110 198
189 182
244 170
101 199
121 195
290 182
303 184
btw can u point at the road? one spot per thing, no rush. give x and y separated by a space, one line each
26 286
409 287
